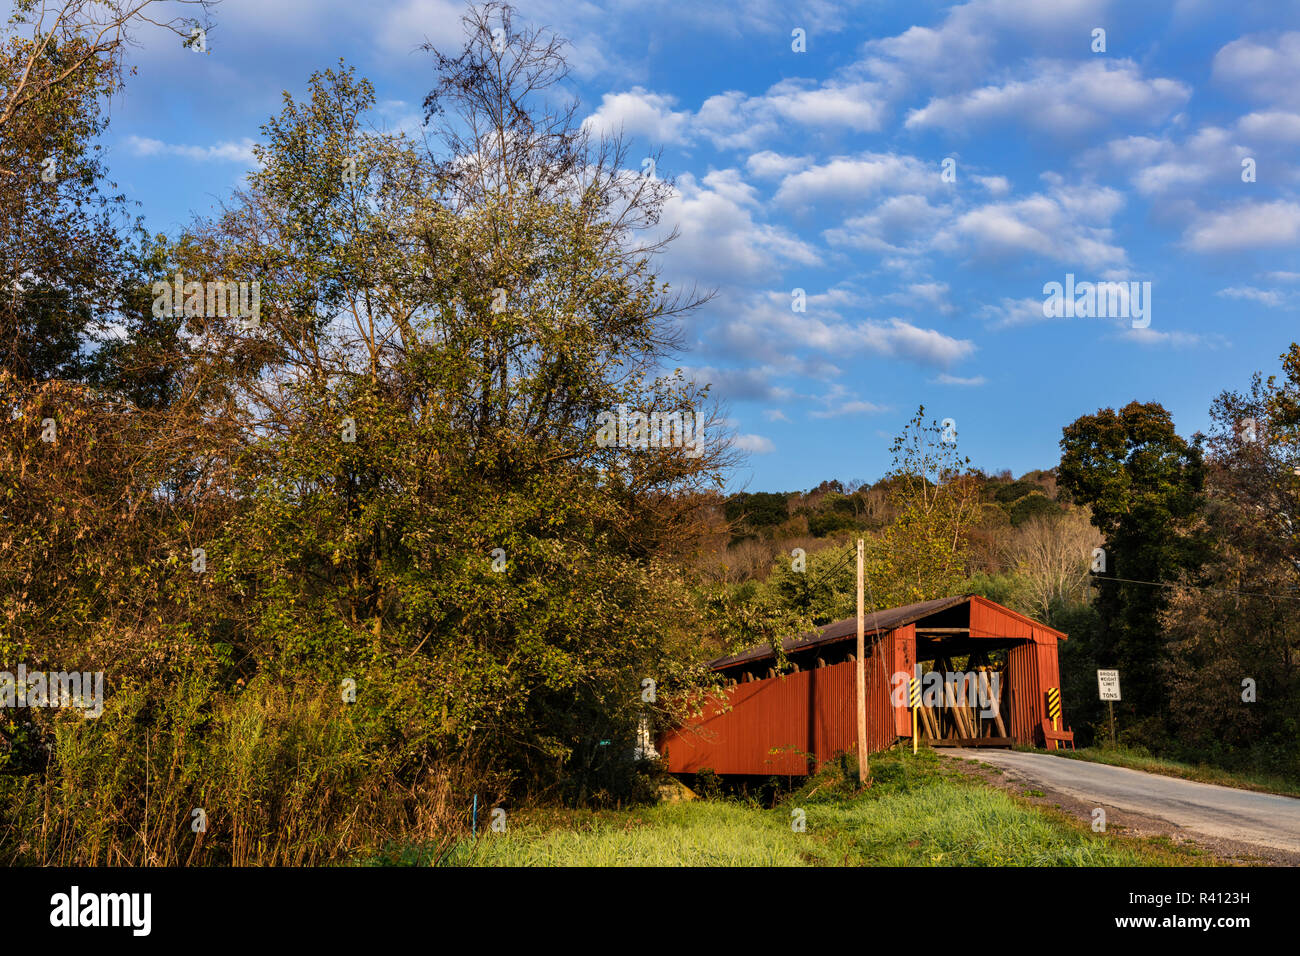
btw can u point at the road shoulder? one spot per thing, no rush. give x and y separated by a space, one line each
1125 822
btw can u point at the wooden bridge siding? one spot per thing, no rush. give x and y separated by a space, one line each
810 712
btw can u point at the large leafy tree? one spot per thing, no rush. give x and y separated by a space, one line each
392 477
61 45
60 250
91 469
1236 632
440 328
1144 485
70 276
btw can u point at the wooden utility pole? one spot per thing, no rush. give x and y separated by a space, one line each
863 769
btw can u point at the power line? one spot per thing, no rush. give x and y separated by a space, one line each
843 562
825 572
1199 587
1094 578
807 590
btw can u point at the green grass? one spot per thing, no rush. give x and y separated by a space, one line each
923 811
700 833
1204 773
918 812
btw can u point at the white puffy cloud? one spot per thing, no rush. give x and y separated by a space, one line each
847 178
1271 125
735 120
720 237
966 44
940 55
1245 225
1085 202
732 120
904 223
1157 166
1060 98
901 339
1209 155
767 330
928 295
771 165
852 106
996 185
639 113
1265 68
1068 224
861 97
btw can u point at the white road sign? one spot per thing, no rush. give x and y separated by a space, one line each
1108 685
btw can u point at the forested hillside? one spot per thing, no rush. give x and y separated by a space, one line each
1174 560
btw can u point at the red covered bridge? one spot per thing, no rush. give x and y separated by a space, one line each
781 724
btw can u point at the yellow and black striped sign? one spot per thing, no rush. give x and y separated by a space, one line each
914 692
1054 703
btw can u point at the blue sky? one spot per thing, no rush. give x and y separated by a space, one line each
822 170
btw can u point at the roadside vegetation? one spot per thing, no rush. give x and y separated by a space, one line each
919 811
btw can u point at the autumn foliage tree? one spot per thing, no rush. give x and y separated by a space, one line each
1234 668
1143 483
372 533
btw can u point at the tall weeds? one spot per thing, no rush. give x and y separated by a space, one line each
184 776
